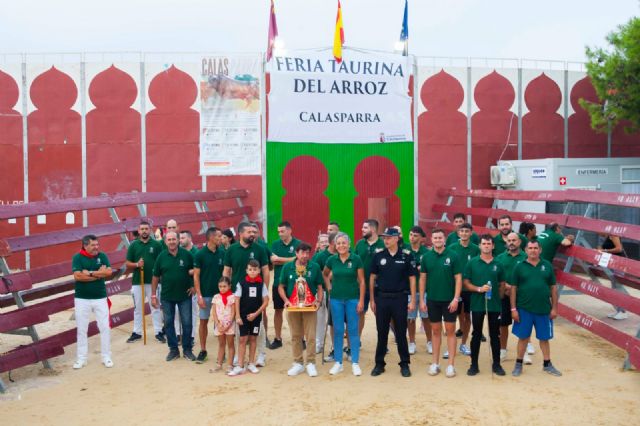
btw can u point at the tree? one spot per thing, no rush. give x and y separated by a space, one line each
615 74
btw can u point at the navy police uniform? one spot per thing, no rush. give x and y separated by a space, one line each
392 287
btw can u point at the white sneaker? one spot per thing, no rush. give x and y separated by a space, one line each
429 348
253 368
446 354
620 315
527 359
464 350
107 362
79 364
530 349
412 348
434 369
355 368
503 354
261 361
337 368
451 371
311 370
237 370
295 369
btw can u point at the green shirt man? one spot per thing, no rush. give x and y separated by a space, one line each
441 269
550 240
237 257
534 284
210 263
173 270
479 272
288 277
90 289
365 251
282 249
148 251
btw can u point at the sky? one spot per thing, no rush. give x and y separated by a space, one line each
541 29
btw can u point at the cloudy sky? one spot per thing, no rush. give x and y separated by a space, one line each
542 29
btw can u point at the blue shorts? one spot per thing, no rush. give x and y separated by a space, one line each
412 315
205 312
528 320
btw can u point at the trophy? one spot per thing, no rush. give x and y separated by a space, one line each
301 297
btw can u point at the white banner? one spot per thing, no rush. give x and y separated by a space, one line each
230 115
364 99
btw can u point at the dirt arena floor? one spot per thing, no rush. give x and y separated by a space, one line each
144 389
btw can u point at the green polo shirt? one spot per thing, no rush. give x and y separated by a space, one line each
509 262
465 254
211 264
549 243
193 250
173 271
453 238
288 277
480 273
441 269
148 252
238 256
366 252
417 255
499 246
321 257
344 284
534 286
279 248
89 289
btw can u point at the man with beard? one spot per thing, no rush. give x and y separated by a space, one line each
174 267
509 259
505 226
236 259
366 248
141 255
453 237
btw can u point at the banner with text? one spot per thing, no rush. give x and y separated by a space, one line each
230 115
364 99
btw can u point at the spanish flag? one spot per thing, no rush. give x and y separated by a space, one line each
338 38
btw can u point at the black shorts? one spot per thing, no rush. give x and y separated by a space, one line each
505 315
278 303
466 302
250 328
439 311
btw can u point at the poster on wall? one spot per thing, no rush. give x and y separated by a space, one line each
230 115
363 99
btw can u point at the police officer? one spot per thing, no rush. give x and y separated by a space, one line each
393 275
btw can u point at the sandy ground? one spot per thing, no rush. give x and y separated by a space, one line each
143 388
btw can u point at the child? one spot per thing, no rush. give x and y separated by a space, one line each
223 312
252 298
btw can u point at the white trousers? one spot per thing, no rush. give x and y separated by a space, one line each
321 324
195 314
156 314
99 307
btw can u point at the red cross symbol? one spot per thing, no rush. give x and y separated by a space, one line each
563 180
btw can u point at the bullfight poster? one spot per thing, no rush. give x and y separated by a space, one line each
230 115
362 99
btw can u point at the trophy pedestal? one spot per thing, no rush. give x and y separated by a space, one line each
302 308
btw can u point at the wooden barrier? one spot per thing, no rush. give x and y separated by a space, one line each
16 288
618 269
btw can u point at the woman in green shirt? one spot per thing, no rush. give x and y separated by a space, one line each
344 279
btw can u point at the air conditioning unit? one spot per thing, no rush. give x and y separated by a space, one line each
503 175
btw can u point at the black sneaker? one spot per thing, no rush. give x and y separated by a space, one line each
347 351
498 370
330 357
160 337
459 333
202 357
189 355
275 344
482 338
173 354
473 370
134 337
404 370
377 370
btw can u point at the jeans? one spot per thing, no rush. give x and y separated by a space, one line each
338 310
184 309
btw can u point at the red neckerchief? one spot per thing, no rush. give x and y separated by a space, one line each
225 297
257 279
87 254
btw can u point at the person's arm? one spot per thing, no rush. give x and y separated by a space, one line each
196 284
512 298
617 245
103 272
226 272
372 299
277 260
237 308
265 274
361 286
326 276
154 288
265 303
502 289
453 306
214 316
422 285
319 295
554 302
412 289
567 241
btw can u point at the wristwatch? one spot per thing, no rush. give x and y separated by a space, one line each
91 273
